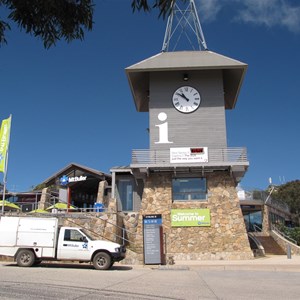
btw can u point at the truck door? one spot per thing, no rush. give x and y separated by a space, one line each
73 246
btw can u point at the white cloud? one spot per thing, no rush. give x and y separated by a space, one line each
208 9
291 19
267 13
270 13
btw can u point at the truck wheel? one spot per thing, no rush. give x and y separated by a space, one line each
25 258
102 261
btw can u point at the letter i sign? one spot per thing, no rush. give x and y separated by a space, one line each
163 135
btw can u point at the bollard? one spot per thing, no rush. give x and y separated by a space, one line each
289 251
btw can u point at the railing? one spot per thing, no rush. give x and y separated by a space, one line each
257 248
274 227
64 210
72 213
221 157
257 228
124 232
124 235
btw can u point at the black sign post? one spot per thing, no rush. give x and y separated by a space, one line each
152 239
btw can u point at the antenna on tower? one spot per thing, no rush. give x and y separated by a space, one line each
184 22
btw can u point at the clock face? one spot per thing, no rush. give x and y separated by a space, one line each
186 99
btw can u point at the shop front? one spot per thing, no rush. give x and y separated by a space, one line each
80 186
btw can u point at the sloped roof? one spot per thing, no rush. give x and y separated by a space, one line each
73 166
138 74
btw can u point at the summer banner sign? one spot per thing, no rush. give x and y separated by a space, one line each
190 217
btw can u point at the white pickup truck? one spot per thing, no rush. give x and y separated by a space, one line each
30 240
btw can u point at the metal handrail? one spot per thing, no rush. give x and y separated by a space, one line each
53 199
216 156
273 227
257 228
124 230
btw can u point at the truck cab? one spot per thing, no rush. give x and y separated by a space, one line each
76 244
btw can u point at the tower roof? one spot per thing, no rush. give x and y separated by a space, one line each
138 74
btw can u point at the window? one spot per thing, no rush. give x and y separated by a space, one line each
189 189
73 235
253 220
125 189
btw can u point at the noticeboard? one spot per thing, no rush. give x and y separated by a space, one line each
152 239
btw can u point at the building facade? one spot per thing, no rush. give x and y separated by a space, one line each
79 186
188 176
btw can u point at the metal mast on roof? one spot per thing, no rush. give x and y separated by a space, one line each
186 22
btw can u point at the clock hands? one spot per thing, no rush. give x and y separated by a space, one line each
186 99
183 96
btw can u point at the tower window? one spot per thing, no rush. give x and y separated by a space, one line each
189 189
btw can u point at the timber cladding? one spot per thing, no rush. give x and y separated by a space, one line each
204 127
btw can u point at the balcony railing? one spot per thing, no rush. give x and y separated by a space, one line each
216 157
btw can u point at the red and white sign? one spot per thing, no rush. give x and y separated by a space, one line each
189 155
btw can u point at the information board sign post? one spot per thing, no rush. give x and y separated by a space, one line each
153 241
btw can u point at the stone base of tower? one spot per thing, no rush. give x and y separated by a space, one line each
208 256
226 237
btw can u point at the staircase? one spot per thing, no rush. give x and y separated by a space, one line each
270 245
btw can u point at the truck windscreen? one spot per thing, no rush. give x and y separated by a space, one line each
87 235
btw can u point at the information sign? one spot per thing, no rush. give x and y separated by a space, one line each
152 239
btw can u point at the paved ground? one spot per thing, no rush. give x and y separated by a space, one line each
268 263
271 278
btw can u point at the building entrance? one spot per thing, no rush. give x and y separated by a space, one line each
253 220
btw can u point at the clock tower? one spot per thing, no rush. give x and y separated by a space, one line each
189 174
191 89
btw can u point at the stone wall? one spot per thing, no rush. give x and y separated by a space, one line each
101 198
102 224
45 201
226 238
266 222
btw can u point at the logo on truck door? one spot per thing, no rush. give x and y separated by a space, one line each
71 245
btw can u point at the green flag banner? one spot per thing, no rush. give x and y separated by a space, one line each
4 142
190 217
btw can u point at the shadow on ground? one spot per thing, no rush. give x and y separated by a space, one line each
71 266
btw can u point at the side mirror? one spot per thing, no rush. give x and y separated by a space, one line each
84 239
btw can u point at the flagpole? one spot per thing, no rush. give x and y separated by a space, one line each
4 183
5 167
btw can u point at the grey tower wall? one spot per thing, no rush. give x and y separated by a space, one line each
206 127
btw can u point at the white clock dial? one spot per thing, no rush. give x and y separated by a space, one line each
186 99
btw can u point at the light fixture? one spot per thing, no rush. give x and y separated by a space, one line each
185 77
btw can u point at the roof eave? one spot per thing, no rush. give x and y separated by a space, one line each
138 80
75 165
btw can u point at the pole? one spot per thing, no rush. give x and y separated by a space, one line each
4 182
289 251
35 205
69 199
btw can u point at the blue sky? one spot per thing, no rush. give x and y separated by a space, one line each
72 103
